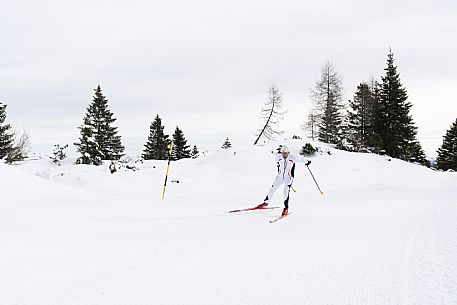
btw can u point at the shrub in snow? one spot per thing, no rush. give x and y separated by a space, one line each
308 150
226 144
194 154
130 159
345 145
278 150
59 153
112 167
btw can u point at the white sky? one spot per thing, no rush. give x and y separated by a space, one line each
206 65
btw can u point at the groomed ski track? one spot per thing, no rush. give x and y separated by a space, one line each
383 233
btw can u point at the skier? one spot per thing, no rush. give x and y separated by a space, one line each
286 167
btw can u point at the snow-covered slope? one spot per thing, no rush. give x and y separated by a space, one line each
384 232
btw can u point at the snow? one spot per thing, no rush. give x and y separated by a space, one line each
384 232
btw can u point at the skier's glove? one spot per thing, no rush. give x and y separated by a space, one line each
308 163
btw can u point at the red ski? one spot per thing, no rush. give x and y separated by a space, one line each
280 217
253 209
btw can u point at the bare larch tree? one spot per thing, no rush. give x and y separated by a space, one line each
272 114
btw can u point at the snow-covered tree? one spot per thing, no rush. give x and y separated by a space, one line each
180 148
87 146
328 98
447 153
99 139
156 148
271 114
6 134
226 144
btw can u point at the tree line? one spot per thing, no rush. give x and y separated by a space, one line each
377 119
100 141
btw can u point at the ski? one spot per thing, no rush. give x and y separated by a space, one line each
252 209
280 217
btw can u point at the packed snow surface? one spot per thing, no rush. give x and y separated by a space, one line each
384 232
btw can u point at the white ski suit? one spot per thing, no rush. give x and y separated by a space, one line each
286 169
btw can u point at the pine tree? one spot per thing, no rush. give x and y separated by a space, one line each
195 153
447 153
6 134
156 147
226 144
272 114
327 96
99 139
393 123
180 148
361 115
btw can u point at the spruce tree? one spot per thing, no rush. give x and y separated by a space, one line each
156 148
180 148
226 144
106 134
361 116
447 153
99 139
6 134
327 96
393 123
87 146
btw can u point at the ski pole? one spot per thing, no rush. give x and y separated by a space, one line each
168 168
322 193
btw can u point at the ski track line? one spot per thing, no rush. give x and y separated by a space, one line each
432 268
81 288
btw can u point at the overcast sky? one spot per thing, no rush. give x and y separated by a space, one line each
206 65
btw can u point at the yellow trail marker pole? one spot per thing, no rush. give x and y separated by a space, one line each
168 168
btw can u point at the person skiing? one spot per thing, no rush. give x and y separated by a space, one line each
286 168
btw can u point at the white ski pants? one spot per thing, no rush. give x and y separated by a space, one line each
287 181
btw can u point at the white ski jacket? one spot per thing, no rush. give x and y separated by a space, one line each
286 167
